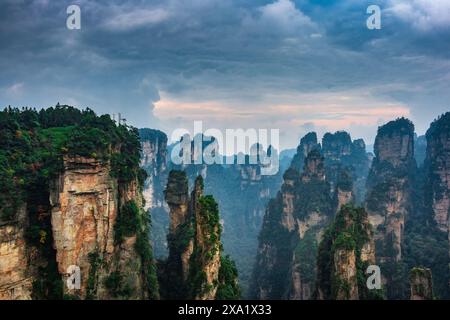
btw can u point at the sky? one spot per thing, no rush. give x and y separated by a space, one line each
296 66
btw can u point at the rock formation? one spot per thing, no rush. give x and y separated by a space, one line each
307 144
347 249
75 211
421 284
437 165
195 268
242 194
86 202
154 160
293 225
389 195
341 153
15 278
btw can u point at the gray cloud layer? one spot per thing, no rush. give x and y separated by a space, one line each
293 65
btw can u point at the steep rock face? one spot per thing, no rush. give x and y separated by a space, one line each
15 278
390 201
421 284
345 252
343 193
437 165
85 202
389 185
307 144
293 225
195 268
242 194
154 160
341 153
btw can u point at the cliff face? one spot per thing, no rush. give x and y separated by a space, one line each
154 160
390 185
74 205
195 268
85 203
15 278
437 165
390 201
293 225
242 194
341 153
345 252
307 144
421 284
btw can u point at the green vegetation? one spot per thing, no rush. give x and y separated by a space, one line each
228 286
128 221
32 147
95 262
349 232
202 230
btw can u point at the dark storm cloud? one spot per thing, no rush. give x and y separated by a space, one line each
152 60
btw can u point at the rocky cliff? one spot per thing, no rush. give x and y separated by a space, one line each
154 160
437 164
389 200
76 209
242 194
345 252
293 225
341 153
195 268
307 144
421 284
15 276
86 205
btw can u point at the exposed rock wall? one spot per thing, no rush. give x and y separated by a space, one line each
154 160
421 284
390 184
437 164
345 252
85 202
15 278
192 270
293 225
341 153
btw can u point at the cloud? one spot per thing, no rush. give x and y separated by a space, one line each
238 63
424 15
294 114
136 18
285 15
15 90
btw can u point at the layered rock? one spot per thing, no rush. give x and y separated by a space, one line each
345 252
86 202
195 266
421 284
390 184
15 276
